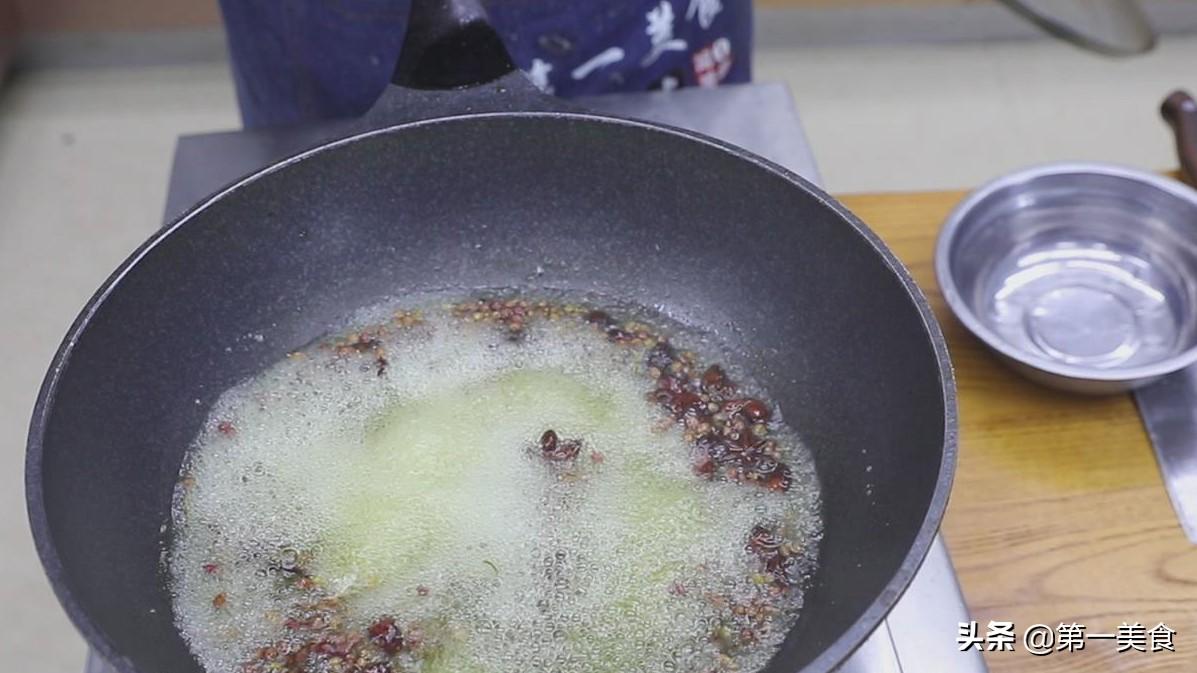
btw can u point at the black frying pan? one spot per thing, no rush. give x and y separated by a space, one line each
470 188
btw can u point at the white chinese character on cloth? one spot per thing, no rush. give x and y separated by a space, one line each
607 57
967 638
1161 638
539 75
660 33
1000 636
705 10
712 63
1070 637
1132 637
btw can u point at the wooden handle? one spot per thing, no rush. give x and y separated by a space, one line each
1180 111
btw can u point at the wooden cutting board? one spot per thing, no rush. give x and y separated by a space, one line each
1058 513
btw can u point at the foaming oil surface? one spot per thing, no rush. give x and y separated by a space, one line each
392 501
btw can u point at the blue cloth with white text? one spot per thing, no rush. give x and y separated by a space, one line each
305 60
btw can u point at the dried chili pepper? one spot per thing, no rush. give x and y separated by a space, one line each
554 448
385 634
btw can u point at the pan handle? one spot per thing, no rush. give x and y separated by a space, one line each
453 62
1180 111
450 45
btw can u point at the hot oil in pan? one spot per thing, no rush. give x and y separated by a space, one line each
496 484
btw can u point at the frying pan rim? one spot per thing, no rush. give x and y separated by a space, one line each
832 655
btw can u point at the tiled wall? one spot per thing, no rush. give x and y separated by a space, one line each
49 16
115 15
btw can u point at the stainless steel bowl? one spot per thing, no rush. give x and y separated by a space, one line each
1081 276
